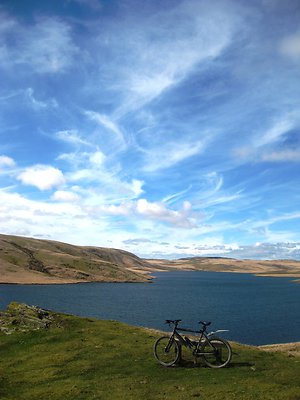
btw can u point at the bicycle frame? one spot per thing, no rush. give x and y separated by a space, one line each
197 344
215 351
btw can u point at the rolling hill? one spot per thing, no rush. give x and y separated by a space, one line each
27 260
276 268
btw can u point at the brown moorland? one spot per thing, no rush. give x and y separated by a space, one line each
34 261
276 268
25 261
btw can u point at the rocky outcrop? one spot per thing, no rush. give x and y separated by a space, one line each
22 317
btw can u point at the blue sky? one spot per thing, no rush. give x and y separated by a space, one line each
168 129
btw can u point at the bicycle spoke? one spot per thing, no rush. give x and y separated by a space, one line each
216 353
166 351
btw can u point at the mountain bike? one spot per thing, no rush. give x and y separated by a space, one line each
216 352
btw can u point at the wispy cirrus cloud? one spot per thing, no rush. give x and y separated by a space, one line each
46 46
288 155
170 154
39 104
91 169
276 144
107 123
72 136
290 46
162 48
276 132
168 127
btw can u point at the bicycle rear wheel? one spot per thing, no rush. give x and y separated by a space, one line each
166 351
216 353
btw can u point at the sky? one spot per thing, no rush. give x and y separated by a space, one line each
165 128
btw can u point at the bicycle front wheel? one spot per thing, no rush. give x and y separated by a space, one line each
216 353
166 351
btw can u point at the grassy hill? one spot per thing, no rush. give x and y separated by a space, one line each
26 260
74 358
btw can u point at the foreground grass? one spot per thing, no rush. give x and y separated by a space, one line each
91 359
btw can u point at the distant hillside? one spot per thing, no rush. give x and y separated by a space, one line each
26 260
281 268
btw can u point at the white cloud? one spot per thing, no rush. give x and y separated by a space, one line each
60 221
136 187
290 46
266 251
43 177
66 196
156 211
97 158
6 161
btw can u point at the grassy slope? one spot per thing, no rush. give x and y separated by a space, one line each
91 359
25 260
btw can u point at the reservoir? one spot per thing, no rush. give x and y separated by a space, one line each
256 310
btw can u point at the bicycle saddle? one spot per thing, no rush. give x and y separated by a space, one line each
175 321
204 323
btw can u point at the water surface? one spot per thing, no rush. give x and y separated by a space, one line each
256 310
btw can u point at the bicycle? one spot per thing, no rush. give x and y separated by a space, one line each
216 352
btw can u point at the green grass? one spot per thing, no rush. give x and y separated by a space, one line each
90 359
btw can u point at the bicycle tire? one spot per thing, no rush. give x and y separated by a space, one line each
220 357
166 352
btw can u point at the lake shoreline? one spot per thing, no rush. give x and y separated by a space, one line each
8 318
6 279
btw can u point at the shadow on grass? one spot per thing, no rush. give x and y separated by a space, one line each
200 364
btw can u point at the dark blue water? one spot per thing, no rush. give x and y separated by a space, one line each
256 310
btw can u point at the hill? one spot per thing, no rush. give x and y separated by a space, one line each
279 268
55 356
27 260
